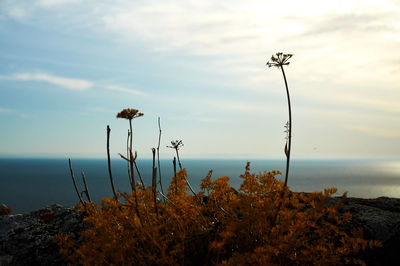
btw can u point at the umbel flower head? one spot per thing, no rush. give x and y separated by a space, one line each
176 144
129 114
279 60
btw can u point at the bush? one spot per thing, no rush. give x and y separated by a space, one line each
261 224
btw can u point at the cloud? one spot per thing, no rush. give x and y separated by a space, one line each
124 90
4 110
67 83
377 132
53 3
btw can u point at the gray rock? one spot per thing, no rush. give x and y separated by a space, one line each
27 239
4 209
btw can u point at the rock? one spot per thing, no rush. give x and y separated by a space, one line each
4 210
27 239
380 220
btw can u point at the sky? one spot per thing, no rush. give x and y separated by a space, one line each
67 67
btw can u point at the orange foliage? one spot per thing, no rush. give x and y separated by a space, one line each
261 224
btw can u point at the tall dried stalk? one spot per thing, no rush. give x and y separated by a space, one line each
154 180
158 156
73 180
279 60
130 114
176 145
176 182
86 188
127 156
109 162
137 170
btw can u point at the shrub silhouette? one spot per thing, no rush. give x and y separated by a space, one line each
261 224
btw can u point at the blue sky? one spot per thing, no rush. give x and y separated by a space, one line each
69 66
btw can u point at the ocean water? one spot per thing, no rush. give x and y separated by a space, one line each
29 184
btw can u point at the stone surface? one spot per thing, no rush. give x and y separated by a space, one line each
4 209
27 239
380 220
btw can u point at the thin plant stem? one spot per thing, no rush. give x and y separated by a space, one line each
73 180
127 156
130 147
140 176
158 156
134 162
109 162
290 127
154 180
86 188
131 160
190 188
134 185
176 183
177 155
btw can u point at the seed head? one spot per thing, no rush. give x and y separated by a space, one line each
279 60
176 144
129 114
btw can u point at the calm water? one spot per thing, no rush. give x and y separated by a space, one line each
28 184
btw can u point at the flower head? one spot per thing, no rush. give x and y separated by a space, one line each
176 144
129 114
279 60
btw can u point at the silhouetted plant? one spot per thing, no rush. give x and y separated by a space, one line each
229 228
158 156
130 114
279 60
86 191
154 180
177 144
73 180
174 165
109 162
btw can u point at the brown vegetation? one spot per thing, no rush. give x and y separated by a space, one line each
261 224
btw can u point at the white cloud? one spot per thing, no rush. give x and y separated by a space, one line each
53 3
4 110
377 132
124 90
67 83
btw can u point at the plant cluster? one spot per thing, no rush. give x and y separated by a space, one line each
261 224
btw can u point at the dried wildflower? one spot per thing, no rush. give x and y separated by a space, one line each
279 60
176 144
242 228
129 114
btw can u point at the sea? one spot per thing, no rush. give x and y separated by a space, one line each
30 184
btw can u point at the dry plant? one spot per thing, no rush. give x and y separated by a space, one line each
226 228
176 145
131 114
279 60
